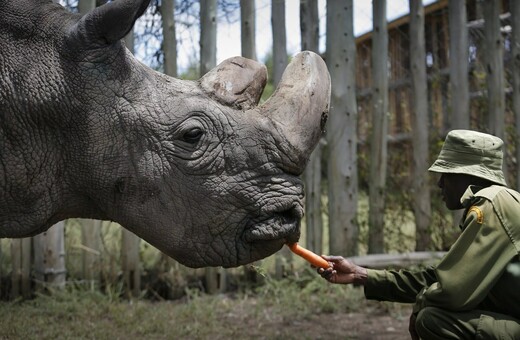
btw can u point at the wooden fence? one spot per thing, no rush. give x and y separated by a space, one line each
41 260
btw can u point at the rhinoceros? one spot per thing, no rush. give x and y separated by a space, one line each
199 169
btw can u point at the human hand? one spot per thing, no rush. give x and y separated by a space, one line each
343 271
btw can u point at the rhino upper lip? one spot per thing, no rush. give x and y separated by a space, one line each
279 225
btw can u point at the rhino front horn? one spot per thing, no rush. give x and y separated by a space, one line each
300 105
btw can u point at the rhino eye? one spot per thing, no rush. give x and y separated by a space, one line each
193 136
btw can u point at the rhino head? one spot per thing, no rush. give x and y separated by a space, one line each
196 168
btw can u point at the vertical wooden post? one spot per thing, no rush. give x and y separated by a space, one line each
459 82
49 257
342 129
515 42
379 133
208 60
91 245
130 263
309 31
247 29
21 267
208 35
420 131
130 243
169 37
494 47
283 258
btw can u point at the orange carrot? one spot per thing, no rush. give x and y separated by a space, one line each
308 255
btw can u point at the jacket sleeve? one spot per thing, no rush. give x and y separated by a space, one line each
473 265
397 286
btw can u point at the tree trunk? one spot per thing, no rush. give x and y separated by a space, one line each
309 29
515 42
342 129
247 28
49 256
494 46
378 143
169 37
420 131
459 81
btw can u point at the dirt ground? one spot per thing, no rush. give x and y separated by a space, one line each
371 322
331 326
354 326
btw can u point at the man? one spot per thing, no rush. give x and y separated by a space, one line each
474 292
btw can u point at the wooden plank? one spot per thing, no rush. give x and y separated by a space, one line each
383 261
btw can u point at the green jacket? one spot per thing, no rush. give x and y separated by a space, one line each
480 271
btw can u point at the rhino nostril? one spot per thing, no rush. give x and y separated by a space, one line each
291 215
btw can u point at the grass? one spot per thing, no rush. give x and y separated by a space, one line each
276 309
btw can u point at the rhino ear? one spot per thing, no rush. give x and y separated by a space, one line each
237 82
108 23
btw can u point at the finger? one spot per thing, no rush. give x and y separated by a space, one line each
327 273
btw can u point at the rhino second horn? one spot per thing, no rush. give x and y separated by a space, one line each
237 82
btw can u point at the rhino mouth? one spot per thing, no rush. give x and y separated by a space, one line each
284 225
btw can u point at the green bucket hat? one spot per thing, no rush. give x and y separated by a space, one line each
472 153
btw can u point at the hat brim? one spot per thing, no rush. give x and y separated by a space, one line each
441 166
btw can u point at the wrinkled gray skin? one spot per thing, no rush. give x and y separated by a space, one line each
196 168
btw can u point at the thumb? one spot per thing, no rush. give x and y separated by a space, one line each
332 258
